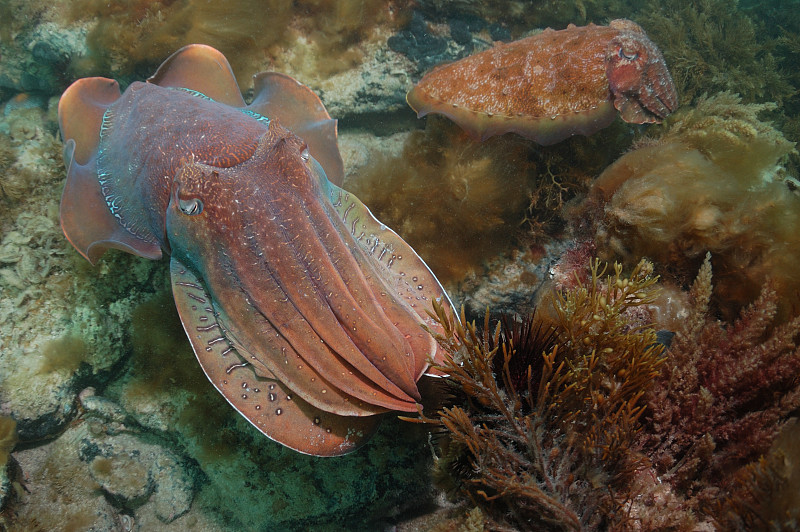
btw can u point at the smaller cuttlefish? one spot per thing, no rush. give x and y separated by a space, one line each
553 85
304 311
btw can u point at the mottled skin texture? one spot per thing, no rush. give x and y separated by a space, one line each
304 311
553 85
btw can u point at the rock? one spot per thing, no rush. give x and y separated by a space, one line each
129 469
35 61
377 87
58 492
5 485
124 478
133 473
61 324
510 284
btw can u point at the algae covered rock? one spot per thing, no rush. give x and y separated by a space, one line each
248 481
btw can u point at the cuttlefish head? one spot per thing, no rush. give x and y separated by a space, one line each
329 314
638 77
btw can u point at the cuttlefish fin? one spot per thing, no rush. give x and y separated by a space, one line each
299 109
264 401
86 219
203 69
401 269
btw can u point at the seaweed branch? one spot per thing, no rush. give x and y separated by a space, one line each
547 411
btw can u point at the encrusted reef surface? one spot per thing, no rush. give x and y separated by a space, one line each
108 423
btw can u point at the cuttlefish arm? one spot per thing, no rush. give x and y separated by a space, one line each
264 401
400 267
309 300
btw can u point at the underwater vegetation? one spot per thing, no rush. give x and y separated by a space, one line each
135 35
779 22
766 491
711 47
521 16
543 414
577 418
712 181
749 48
8 438
449 196
722 397
460 203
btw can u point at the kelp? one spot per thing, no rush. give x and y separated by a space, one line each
712 46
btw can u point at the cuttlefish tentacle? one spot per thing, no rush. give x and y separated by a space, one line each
271 353
286 364
379 300
402 272
291 258
353 293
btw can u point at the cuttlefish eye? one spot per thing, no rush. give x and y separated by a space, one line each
630 55
304 154
191 206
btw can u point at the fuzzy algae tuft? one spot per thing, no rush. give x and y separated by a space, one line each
711 181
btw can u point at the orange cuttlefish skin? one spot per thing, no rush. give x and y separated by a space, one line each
305 312
553 85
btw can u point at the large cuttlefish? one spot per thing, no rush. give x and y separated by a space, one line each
304 311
